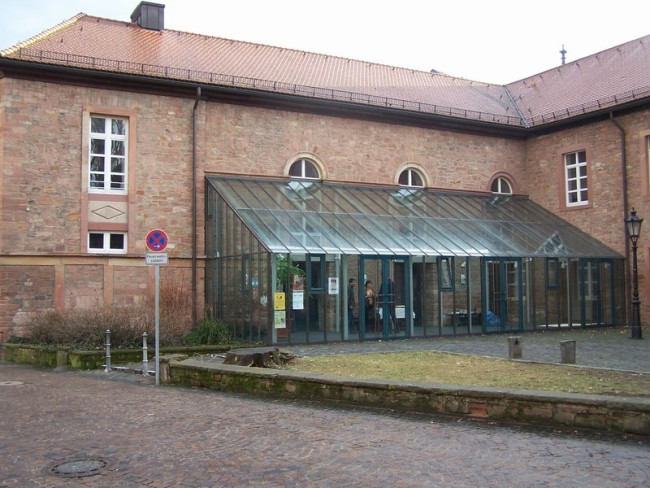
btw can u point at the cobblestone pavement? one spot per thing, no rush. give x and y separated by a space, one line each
609 348
97 429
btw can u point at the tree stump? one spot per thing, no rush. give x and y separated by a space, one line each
259 357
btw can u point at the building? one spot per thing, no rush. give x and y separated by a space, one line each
279 175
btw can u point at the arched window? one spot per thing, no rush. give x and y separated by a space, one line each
411 177
501 185
305 169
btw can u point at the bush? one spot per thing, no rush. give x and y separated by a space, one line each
175 309
86 328
209 332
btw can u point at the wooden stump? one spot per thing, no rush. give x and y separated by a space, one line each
259 357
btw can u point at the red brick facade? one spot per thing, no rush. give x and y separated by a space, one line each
47 211
45 205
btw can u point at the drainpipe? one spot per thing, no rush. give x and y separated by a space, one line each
194 209
625 212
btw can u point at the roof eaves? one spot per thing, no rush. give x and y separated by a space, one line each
594 106
217 79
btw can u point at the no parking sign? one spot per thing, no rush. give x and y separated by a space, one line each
156 240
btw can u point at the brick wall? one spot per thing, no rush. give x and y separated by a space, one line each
604 217
24 288
260 141
42 209
84 286
43 154
545 170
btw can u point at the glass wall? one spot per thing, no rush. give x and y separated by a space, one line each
237 284
307 298
282 275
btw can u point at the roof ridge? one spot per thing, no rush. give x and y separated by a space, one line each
42 35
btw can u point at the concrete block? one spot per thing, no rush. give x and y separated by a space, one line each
515 348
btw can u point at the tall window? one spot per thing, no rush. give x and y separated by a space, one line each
501 185
108 149
575 167
304 168
107 242
411 177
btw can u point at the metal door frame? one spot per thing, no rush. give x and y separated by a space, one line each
503 302
387 330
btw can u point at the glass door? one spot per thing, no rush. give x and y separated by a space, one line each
503 291
596 284
387 280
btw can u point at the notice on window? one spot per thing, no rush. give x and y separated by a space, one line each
298 298
333 285
280 321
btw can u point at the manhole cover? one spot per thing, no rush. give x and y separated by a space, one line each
78 468
10 383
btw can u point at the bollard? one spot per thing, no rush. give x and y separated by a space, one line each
514 347
568 351
107 342
145 361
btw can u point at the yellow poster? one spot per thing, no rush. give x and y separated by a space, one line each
279 301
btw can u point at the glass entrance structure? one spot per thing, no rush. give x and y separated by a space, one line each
280 254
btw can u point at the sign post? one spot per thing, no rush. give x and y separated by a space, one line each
156 241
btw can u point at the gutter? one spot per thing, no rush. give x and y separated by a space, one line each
625 208
194 207
266 99
514 104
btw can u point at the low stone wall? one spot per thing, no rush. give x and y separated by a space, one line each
52 357
629 415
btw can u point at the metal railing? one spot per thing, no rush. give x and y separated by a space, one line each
183 74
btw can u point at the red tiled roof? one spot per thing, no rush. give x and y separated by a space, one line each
97 43
606 79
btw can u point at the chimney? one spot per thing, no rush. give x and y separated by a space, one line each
149 16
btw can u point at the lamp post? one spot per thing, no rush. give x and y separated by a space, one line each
633 225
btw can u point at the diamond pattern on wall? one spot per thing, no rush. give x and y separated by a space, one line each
108 212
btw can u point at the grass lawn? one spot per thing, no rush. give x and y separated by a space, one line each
437 367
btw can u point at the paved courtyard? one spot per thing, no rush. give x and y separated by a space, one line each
66 428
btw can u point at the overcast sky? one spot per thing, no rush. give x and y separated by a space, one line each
497 41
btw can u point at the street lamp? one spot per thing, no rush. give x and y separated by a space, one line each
633 225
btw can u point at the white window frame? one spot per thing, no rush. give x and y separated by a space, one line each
110 140
303 162
106 248
410 172
502 182
576 178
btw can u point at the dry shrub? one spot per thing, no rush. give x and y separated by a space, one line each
175 308
86 328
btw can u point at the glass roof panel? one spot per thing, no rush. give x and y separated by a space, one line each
366 237
319 217
263 225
